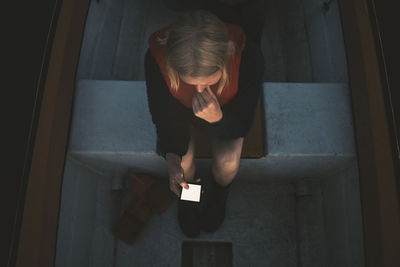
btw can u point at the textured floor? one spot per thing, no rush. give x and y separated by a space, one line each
87 211
304 223
260 222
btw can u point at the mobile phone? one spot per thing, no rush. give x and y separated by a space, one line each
191 194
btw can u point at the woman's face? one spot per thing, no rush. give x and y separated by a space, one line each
201 83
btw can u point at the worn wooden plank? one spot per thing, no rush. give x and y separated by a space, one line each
294 40
211 254
77 215
157 18
116 36
89 209
275 68
97 31
336 47
204 255
224 255
94 23
127 61
108 209
106 46
310 230
187 254
325 38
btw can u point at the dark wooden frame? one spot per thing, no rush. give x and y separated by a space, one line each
38 235
378 186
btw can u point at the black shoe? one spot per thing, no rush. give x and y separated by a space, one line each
189 216
214 213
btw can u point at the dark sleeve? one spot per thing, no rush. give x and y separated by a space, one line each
238 114
170 117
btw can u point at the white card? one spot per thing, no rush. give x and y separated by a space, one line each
191 194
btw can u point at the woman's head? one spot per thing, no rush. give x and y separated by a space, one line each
198 50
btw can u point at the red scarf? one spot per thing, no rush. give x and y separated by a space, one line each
186 91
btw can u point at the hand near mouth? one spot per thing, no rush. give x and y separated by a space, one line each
205 106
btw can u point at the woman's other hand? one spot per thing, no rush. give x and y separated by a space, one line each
205 106
175 173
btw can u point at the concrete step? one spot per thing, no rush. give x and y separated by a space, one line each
309 129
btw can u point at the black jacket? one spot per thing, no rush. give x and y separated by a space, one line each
172 119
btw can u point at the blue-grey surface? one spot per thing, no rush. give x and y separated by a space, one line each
111 116
86 214
115 37
325 38
311 240
115 163
308 119
343 221
293 38
308 130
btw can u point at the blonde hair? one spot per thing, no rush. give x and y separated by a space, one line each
198 45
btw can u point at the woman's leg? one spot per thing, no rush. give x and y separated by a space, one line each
187 163
226 159
188 216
